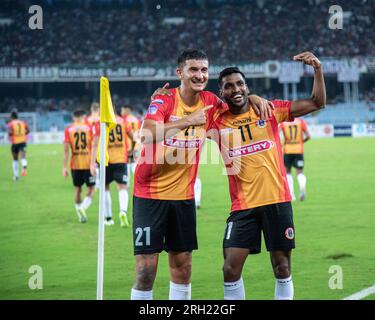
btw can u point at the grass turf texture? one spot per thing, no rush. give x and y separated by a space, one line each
334 226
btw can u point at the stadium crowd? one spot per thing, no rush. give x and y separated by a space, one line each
139 103
228 31
69 104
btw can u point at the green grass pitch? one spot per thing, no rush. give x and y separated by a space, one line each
334 226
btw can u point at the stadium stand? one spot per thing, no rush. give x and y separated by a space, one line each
344 113
120 32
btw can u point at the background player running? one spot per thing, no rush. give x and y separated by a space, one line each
258 186
295 135
18 130
77 138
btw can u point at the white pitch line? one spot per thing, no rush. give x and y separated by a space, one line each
361 294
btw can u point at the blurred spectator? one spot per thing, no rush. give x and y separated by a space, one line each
140 103
42 106
123 32
53 128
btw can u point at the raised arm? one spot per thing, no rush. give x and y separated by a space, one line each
318 95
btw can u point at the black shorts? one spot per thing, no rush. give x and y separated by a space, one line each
294 160
275 220
82 176
16 148
116 172
163 225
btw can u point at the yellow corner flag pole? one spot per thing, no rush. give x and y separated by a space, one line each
107 122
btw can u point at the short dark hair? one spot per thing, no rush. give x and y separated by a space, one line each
191 54
79 113
227 72
14 114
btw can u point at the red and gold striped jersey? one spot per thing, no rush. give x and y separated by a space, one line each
293 136
117 142
18 131
79 137
252 153
167 170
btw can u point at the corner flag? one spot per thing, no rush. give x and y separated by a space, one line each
107 114
107 122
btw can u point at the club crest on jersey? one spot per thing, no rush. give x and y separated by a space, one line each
289 233
261 123
153 109
250 149
159 101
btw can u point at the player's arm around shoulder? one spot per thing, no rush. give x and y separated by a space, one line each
262 107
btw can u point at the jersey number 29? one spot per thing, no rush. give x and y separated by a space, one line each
81 142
